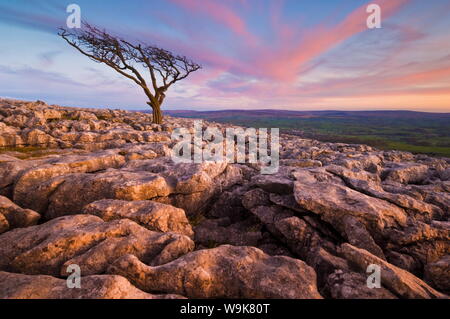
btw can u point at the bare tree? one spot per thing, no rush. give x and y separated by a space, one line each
123 56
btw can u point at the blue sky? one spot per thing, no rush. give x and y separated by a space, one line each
291 54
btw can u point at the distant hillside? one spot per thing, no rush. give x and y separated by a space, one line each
307 114
417 132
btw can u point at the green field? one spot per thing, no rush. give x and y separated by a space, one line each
415 132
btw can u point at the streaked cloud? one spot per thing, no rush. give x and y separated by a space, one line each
256 54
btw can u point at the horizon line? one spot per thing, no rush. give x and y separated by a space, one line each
225 110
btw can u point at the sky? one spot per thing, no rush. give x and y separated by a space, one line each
256 54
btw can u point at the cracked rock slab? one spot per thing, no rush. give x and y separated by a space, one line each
151 215
18 286
223 272
399 281
333 201
87 241
26 187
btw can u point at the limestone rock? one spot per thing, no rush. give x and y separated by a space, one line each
350 285
333 202
223 272
87 241
18 286
438 273
4 225
106 186
409 173
30 177
79 190
370 184
153 216
273 184
17 216
399 281
211 232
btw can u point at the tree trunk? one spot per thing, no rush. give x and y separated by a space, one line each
157 114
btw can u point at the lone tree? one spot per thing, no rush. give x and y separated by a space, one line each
165 68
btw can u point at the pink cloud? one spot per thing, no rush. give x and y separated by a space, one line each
267 71
422 77
274 70
292 52
219 12
285 62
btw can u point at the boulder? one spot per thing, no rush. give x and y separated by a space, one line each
36 137
17 216
223 272
151 215
333 202
19 286
406 173
28 186
87 241
399 281
4 225
351 285
370 184
78 190
425 243
438 273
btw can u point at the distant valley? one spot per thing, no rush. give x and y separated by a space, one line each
417 132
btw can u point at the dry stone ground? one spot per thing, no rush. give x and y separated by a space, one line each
98 188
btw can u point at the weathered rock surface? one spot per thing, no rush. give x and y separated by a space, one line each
333 201
18 286
438 273
14 216
153 216
4 225
223 272
86 241
351 285
408 173
90 186
397 280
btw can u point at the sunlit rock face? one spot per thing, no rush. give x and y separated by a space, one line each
98 188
